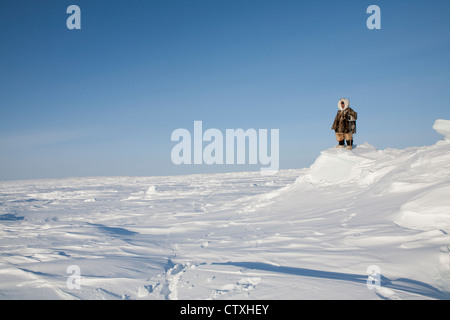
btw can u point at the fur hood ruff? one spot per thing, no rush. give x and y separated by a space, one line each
346 105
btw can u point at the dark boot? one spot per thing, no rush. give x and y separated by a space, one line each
349 144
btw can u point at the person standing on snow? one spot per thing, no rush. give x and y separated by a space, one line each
344 124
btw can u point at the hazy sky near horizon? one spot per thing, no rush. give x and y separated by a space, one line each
104 100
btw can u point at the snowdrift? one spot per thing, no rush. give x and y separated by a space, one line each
420 171
313 233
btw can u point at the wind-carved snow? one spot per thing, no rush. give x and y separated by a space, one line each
443 127
302 234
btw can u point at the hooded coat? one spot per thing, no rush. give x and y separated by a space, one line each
345 120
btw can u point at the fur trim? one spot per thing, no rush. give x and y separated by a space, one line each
346 105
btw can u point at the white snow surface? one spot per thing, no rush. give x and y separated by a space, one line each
302 234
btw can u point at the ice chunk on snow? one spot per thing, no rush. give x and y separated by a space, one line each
151 190
443 127
338 165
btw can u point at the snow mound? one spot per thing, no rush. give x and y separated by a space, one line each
151 190
339 165
443 127
397 170
430 210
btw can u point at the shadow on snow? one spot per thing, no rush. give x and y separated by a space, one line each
402 284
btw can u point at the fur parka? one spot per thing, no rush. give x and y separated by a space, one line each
345 120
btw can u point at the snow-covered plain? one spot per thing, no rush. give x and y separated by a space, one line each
302 234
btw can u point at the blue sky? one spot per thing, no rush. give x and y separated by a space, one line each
105 99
